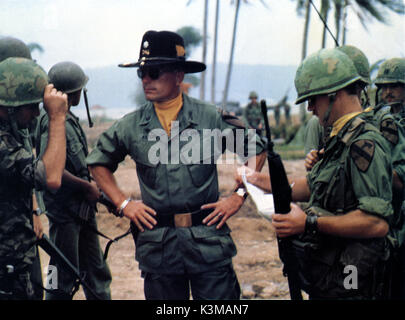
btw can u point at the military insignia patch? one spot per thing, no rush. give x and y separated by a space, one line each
232 120
389 130
362 153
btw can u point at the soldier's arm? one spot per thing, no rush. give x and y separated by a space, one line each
88 189
354 224
54 157
300 189
136 211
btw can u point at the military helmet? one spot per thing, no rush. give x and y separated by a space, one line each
391 71
253 94
323 72
360 62
12 47
67 77
22 82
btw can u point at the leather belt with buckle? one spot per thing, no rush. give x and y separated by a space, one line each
182 220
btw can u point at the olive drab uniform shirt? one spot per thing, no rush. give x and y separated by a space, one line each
19 174
253 115
314 135
177 186
353 174
392 130
66 204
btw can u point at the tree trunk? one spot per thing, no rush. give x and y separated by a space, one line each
306 30
346 4
324 13
228 74
214 56
338 18
303 111
204 57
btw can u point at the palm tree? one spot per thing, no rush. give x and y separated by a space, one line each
35 46
204 57
301 6
214 55
368 10
325 6
228 73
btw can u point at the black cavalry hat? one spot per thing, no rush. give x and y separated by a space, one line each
163 48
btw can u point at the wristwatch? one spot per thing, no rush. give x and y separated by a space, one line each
37 211
242 192
311 224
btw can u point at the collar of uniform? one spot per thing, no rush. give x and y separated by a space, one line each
70 115
339 124
186 116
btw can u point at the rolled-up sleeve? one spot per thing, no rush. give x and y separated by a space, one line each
109 150
373 187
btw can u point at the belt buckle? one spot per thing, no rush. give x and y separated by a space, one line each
183 220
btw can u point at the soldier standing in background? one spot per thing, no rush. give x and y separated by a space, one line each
71 211
182 240
23 85
253 113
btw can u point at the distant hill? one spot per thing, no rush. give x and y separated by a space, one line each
114 88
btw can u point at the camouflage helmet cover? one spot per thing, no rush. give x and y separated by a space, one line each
67 77
12 47
22 82
360 61
323 72
391 71
253 94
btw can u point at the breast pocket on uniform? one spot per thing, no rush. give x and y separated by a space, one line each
76 156
199 173
145 168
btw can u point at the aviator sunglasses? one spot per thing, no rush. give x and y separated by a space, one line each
153 72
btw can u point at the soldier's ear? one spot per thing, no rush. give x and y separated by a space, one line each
179 77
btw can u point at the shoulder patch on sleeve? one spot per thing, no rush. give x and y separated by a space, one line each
389 130
362 152
232 120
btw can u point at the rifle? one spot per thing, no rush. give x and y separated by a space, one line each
86 102
52 250
282 200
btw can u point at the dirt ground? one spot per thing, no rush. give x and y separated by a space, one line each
257 264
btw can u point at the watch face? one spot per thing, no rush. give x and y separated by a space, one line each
241 192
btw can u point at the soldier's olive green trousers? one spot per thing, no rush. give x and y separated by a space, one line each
217 284
82 247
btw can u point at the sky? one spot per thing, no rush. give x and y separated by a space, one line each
96 33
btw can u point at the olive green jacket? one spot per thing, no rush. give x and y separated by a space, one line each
253 115
354 172
19 174
178 186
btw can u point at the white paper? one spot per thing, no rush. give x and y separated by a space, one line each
263 201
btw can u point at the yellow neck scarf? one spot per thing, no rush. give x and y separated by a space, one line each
339 123
167 111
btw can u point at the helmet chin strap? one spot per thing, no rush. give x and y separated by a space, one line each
13 123
332 98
